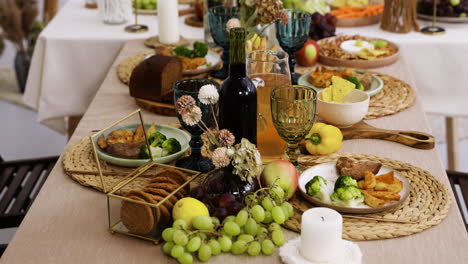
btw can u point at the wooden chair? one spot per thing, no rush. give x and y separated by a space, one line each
460 179
20 182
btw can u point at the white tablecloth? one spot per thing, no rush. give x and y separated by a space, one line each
73 55
76 50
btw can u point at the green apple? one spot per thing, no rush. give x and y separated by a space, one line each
281 173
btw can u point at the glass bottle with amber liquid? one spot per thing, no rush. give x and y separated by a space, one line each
238 95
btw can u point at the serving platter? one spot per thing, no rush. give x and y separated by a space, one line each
360 64
168 131
329 172
444 19
376 85
358 21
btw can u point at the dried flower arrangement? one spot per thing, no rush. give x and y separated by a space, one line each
244 156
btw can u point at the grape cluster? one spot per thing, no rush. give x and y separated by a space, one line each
220 205
255 229
322 26
445 8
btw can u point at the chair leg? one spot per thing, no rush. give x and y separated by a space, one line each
451 128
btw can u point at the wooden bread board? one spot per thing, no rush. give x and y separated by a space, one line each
157 107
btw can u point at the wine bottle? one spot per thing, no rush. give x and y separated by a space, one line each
238 95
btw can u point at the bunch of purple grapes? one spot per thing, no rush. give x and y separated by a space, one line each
445 8
322 26
220 205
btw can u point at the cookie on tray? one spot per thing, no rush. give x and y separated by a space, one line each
176 174
138 218
169 188
161 192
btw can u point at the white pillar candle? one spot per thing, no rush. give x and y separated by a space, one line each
321 231
168 21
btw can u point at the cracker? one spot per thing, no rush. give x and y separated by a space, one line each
138 218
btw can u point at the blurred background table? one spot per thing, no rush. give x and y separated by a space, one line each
73 55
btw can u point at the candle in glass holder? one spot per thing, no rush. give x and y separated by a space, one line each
321 231
168 21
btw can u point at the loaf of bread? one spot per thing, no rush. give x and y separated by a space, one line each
154 77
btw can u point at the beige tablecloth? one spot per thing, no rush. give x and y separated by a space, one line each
72 57
68 223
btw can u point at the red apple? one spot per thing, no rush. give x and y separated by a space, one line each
308 55
281 173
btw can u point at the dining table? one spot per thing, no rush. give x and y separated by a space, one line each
67 223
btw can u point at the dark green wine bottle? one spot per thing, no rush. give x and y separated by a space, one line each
238 95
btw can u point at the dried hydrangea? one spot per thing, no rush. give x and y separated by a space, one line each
184 104
225 138
208 94
233 23
283 17
267 11
220 158
246 160
192 116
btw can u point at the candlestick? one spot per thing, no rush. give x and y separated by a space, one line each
321 232
168 21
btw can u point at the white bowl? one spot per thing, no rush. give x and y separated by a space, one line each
344 114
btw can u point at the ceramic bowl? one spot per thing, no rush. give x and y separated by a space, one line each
344 114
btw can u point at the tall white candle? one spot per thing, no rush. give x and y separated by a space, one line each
321 232
168 21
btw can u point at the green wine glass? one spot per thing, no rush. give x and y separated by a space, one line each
292 36
293 113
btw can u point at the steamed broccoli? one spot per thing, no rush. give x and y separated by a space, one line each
156 139
200 49
343 181
347 196
144 153
171 145
182 51
316 188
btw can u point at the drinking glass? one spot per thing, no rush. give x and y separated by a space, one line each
191 87
293 113
292 36
268 69
218 17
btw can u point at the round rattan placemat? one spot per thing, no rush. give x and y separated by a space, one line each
125 68
153 42
428 203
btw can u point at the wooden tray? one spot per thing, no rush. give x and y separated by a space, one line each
157 107
358 21
360 64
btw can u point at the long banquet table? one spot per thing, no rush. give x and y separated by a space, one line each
68 223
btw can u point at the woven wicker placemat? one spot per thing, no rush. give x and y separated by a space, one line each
428 203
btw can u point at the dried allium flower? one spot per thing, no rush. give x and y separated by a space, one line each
192 116
283 17
184 104
233 23
208 94
220 158
225 138
246 160
267 11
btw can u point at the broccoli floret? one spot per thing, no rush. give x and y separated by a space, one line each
316 188
343 181
144 153
200 49
356 82
182 52
347 196
171 145
156 139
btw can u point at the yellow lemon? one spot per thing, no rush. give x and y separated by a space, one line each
187 208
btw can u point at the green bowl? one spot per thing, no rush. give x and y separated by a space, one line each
168 131
376 85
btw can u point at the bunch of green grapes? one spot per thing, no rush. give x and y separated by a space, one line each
254 230
145 4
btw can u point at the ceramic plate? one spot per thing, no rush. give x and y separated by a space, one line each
213 59
168 131
329 172
376 85
445 19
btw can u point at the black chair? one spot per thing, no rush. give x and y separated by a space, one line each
20 182
460 179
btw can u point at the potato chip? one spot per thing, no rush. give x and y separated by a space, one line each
340 88
327 94
371 54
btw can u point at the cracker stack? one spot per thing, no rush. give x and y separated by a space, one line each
142 219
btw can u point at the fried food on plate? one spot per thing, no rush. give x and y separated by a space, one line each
378 190
372 201
120 136
139 135
101 141
355 168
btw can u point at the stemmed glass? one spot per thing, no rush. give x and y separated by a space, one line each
218 17
293 113
292 36
195 161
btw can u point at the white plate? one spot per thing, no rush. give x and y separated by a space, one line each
329 172
376 85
